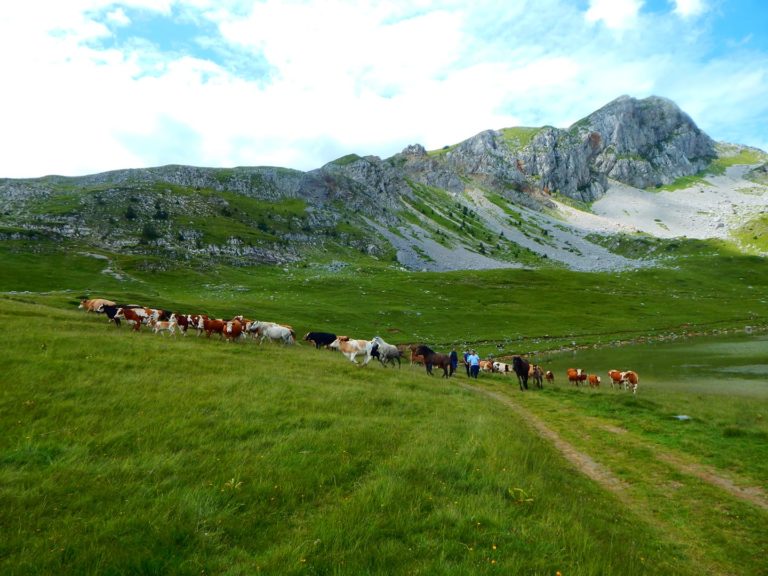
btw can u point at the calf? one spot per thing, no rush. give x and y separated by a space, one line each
550 377
594 381
320 339
163 326
537 375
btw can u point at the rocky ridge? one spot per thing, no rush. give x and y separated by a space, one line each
425 207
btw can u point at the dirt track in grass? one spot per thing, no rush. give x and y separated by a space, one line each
605 478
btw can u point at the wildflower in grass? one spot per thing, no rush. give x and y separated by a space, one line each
232 484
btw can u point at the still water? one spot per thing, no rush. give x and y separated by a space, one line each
732 364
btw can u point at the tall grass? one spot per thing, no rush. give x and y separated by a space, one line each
134 453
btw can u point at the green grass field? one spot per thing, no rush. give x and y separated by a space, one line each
125 453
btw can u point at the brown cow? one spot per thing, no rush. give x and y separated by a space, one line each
550 377
210 326
594 381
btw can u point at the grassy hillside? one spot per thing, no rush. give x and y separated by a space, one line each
133 453
702 287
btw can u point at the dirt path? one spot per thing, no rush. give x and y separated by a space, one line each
752 494
604 477
583 462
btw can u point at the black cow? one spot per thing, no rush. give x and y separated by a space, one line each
320 339
521 368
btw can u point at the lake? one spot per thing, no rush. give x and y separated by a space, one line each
732 364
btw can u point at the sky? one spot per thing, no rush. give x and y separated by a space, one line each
93 85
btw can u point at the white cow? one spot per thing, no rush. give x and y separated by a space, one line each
353 348
272 331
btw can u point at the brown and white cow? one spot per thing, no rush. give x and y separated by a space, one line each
95 304
156 314
549 376
133 316
209 326
576 375
352 348
594 381
615 376
630 380
233 330
502 367
486 365
193 320
163 326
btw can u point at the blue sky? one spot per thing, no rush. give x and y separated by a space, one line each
95 85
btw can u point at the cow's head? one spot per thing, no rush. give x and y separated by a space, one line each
336 344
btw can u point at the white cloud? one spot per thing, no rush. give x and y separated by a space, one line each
615 14
119 17
343 77
689 8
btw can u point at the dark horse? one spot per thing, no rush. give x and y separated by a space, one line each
432 358
521 368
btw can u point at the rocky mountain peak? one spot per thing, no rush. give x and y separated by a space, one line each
645 143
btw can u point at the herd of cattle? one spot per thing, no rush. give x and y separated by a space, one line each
162 321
